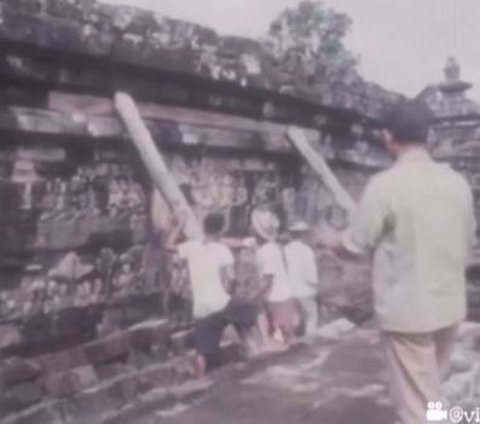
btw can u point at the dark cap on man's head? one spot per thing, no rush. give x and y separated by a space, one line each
214 223
408 121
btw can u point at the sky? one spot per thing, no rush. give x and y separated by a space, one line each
403 44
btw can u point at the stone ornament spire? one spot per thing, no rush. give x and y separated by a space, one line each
453 86
454 111
452 70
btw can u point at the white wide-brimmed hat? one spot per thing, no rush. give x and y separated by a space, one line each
299 227
265 224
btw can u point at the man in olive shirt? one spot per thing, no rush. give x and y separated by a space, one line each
417 221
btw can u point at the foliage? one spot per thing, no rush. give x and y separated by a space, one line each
308 42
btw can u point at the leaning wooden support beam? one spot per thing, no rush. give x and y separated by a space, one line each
155 164
321 168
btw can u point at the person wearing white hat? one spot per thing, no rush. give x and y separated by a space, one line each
272 269
303 275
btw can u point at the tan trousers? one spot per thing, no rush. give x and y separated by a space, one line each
416 365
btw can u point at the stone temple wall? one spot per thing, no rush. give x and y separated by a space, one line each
82 267
130 36
454 138
78 242
93 314
78 245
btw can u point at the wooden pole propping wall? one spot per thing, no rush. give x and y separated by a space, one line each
321 168
155 163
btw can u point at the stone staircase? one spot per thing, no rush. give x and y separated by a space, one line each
109 380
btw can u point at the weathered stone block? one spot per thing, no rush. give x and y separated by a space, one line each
72 9
86 376
112 320
46 413
41 153
191 390
145 335
9 335
58 33
129 19
106 371
181 341
78 357
56 362
125 390
25 6
159 376
8 404
89 405
27 393
70 382
134 313
111 349
19 370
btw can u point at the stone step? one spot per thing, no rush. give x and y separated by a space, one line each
154 387
106 395
158 400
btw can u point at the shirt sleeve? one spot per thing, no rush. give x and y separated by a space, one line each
368 221
226 258
183 250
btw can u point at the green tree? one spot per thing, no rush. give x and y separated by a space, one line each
307 42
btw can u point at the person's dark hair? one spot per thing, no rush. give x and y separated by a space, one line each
408 121
214 224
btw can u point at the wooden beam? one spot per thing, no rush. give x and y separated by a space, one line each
321 168
155 164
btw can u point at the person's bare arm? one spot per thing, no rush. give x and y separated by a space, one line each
172 240
238 243
333 241
227 274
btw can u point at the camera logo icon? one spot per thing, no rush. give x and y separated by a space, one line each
436 413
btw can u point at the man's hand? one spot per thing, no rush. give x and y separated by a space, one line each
239 243
181 220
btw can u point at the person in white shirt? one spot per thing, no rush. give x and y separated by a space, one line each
272 269
210 266
417 220
303 275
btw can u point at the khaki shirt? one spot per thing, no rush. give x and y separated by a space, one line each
417 218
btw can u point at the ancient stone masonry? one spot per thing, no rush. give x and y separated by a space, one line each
92 312
80 257
454 138
113 36
455 134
